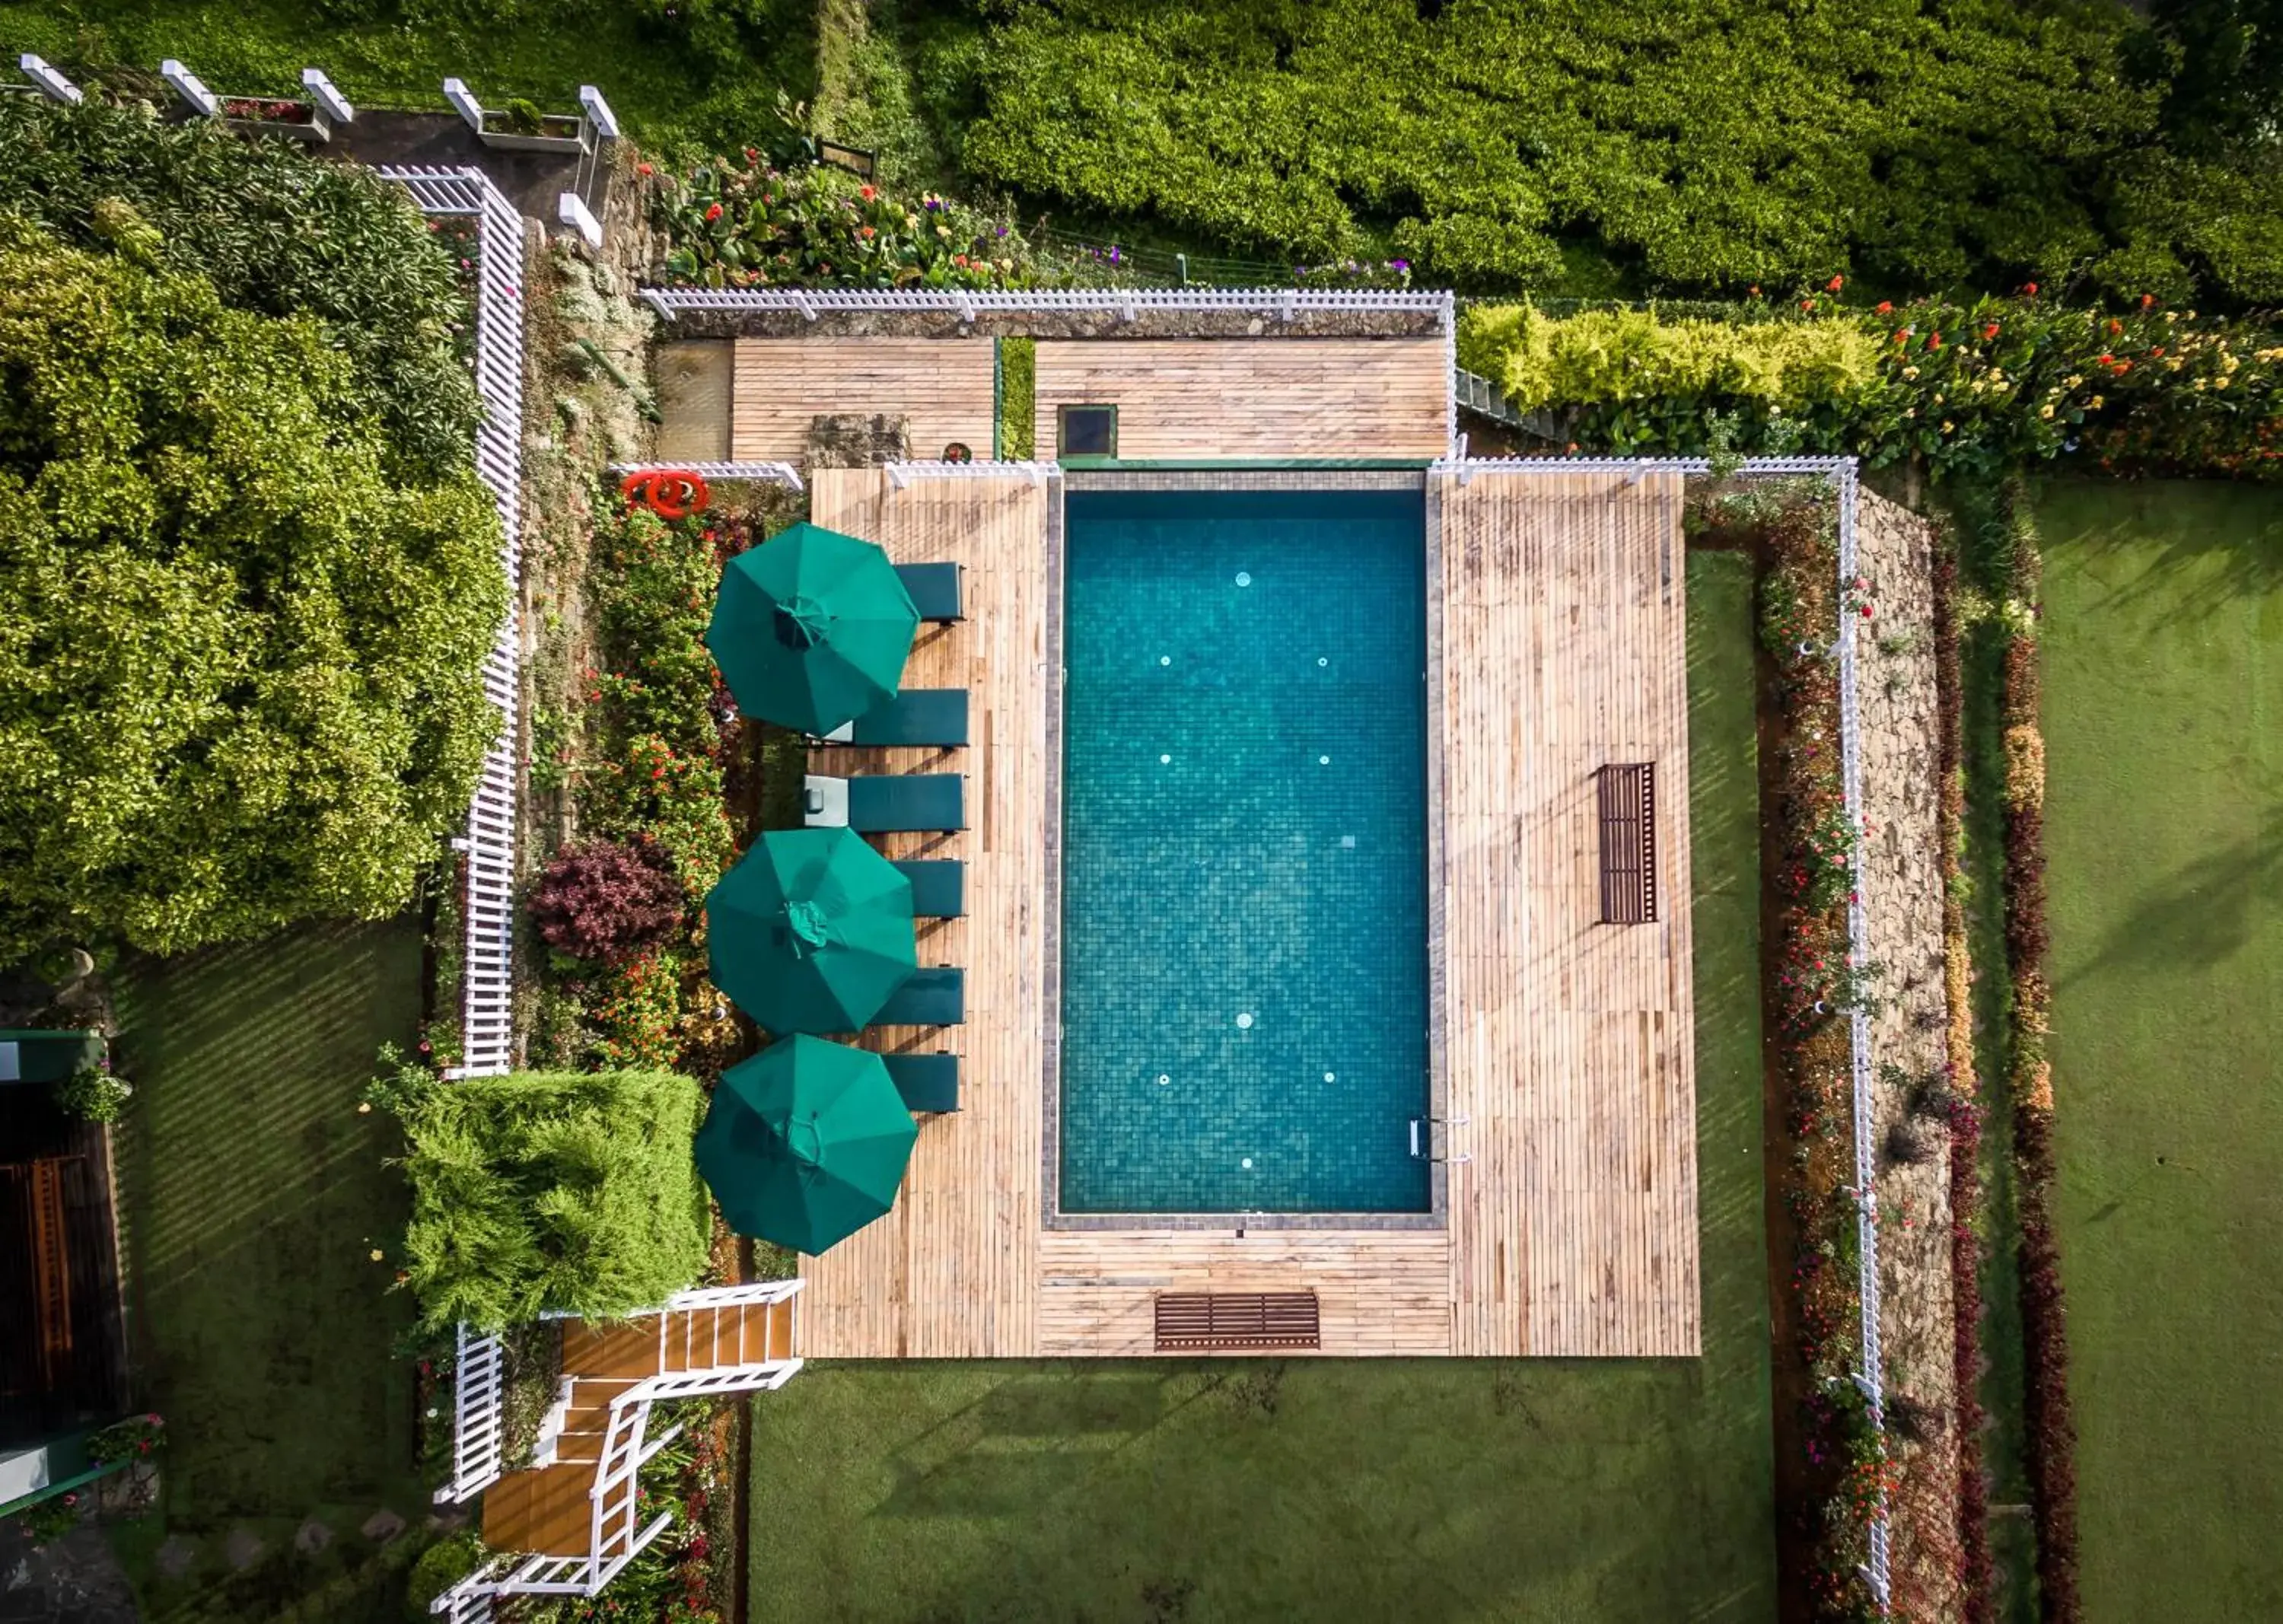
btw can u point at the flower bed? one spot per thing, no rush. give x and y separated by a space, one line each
1976 1576
1812 985
746 223
2051 1443
1972 388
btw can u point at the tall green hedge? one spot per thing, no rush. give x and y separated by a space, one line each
1699 143
549 1190
241 655
277 232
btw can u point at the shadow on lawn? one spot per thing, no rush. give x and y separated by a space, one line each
2207 912
2142 555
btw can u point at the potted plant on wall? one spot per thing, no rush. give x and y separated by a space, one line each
518 126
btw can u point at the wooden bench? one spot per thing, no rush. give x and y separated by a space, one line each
1627 794
1213 1322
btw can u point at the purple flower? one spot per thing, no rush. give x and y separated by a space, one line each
1400 264
1002 230
1113 253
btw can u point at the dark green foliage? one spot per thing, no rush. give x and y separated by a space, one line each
277 232
1705 144
2222 64
240 668
549 1190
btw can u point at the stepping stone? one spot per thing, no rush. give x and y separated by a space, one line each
178 1556
382 1526
243 1548
312 1537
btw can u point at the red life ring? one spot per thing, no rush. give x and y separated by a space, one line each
670 493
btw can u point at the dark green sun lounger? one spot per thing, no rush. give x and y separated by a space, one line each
935 996
930 717
886 803
939 887
927 1083
934 589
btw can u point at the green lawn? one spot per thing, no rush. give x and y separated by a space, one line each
1419 1489
2164 658
253 1194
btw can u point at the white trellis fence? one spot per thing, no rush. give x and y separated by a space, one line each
486 1010
487 1045
1842 472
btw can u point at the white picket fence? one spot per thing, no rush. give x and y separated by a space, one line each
488 991
488 1037
1286 303
1841 472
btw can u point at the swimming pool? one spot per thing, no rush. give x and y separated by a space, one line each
1245 852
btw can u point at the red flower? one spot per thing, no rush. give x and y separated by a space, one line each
1753 290
643 168
2146 300
2156 350
1834 284
1990 332
1901 335
1934 340
2114 327
2031 288
1886 306
1807 304
2106 358
867 192
713 211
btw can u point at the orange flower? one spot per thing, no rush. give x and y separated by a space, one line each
1886 306
2147 300
1834 284
867 192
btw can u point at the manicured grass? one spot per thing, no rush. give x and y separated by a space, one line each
1338 1488
2163 683
253 1194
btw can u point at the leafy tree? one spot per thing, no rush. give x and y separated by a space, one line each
275 231
2223 60
549 1190
240 664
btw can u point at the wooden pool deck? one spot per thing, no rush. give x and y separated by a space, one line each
1556 630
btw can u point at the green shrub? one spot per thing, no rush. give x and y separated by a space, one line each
440 1567
240 668
277 232
1972 388
1703 143
1018 399
91 1092
549 1190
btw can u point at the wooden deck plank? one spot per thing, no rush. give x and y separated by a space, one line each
1572 1041
950 1272
1267 397
945 385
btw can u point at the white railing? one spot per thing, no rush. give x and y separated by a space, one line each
734 1296
488 1037
779 474
900 474
479 1416
1841 472
1287 303
1872 1376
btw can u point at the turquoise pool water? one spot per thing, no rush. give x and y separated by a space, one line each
1245 902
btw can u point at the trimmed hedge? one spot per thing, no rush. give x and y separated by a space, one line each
241 660
548 1190
1701 145
1978 388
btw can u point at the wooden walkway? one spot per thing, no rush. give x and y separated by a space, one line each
1568 1044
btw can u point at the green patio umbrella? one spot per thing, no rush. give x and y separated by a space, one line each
811 931
805 1143
811 628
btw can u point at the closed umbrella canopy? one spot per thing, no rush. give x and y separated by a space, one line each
811 628
811 931
805 1143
